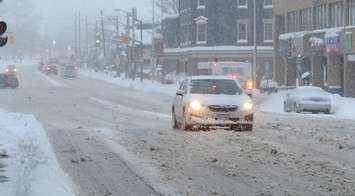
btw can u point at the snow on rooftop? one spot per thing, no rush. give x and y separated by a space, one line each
330 32
216 48
171 16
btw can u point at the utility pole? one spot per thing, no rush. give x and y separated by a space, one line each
87 35
75 36
118 67
153 40
255 53
134 53
141 27
79 35
128 54
345 59
117 32
103 35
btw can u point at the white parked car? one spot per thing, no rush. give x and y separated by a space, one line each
212 101
308 99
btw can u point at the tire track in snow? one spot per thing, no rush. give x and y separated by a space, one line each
51 80
120 107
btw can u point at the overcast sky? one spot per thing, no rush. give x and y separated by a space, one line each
53 8
57 16
56 13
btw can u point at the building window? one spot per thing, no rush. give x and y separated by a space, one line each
351 8
243 4
242 31
202 33
268 31
201 30
268 4
201 4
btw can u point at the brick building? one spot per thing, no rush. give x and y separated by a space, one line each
222 30
315 36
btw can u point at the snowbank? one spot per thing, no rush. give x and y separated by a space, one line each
343 108
146 85
31 168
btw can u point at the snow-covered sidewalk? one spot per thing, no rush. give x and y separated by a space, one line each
343 108
28 164
145 86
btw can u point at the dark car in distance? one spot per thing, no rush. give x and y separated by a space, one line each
11 69
8 81
50 69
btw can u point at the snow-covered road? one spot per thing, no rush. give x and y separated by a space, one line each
115 141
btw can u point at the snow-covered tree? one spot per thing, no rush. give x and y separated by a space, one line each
168 7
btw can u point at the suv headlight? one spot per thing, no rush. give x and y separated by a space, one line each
197 108
196 105
248 106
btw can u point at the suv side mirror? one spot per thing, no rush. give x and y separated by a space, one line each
180 93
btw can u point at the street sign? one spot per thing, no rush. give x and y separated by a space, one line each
351 57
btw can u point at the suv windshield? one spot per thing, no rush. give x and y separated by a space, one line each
215 87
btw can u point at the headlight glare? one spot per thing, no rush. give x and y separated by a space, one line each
248 106
195 105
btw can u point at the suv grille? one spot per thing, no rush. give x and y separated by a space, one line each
226 108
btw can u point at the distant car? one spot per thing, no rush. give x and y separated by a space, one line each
68 71
212 101
11 69
8 81
50 69
308 99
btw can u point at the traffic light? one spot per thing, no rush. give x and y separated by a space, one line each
3 28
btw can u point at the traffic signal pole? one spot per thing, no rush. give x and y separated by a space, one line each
255 53
103 35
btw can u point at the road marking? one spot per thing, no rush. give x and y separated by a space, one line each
52 81
110 104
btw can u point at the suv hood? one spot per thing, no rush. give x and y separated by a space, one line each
218 99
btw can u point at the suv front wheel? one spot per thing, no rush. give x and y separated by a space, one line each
175 122
185 124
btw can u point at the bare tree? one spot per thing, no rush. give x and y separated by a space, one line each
168 7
